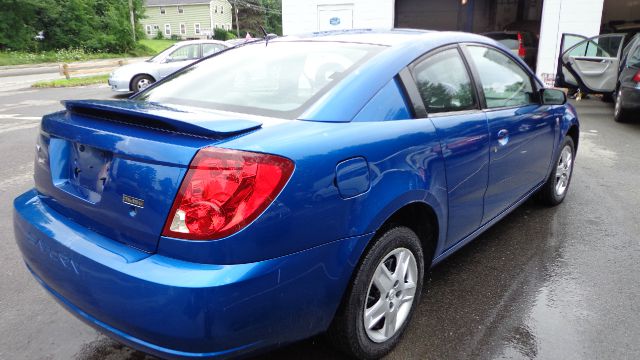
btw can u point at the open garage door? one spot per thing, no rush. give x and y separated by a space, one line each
477 16
427 14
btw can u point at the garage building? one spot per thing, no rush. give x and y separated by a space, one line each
548 18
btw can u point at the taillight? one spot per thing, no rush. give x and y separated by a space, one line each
223 191
522 52
636 77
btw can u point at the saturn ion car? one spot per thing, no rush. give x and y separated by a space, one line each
137 76
288 188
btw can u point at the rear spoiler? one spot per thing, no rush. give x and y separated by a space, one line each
199 123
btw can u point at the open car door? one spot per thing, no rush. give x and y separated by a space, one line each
589 64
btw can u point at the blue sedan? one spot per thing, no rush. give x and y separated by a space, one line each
288 188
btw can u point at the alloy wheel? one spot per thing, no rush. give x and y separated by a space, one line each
390 295
143 84
563 170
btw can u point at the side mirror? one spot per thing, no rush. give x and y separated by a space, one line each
553 97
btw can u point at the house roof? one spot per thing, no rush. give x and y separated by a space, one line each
174 2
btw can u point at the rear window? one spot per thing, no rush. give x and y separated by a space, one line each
281 79
510 40
509 43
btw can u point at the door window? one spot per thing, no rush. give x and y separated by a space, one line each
188 52
605 46
504 82
444 83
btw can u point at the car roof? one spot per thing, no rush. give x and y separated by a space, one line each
390 37
204 41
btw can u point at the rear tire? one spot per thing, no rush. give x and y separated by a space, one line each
620 114
141 82
382 296
556 187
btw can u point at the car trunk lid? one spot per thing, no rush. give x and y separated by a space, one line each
116 166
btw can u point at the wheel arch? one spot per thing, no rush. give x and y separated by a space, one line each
420 215
574 133
421 218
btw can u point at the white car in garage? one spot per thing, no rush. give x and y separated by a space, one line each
137 76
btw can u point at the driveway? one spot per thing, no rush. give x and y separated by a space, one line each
549 283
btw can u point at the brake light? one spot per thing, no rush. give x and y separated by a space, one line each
223 191
636 77
522 52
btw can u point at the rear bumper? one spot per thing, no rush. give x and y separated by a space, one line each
630 99
177 309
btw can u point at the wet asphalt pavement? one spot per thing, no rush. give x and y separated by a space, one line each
547 283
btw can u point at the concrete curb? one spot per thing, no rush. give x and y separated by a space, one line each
47 68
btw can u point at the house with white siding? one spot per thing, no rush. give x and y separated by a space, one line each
186 19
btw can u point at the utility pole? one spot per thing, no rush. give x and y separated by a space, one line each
133 22
235 8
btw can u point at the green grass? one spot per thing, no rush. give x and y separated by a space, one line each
78 81
145 47
21 58
156 45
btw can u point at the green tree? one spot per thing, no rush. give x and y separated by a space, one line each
255 13
17 28
95 25
250 17
273 16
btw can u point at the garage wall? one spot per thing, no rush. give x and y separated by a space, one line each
303 16
580 17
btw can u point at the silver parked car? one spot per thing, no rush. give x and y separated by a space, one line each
135 77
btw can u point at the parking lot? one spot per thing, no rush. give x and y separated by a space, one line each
559 283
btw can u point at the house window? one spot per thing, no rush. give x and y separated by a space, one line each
183 29
180 10
156 27
167 29
221 9
148 27
216 9
196 28
162 11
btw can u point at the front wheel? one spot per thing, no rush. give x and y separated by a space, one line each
141 82
555 189
385 290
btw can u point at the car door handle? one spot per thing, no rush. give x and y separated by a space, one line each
503 137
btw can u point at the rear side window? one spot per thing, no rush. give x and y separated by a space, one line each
504 82
444 83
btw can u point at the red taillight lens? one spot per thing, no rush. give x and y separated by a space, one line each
636 77
522 52
223 191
